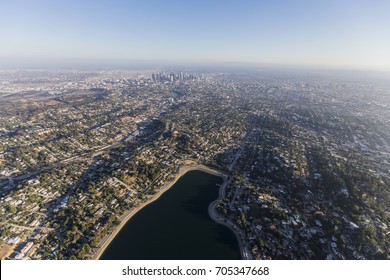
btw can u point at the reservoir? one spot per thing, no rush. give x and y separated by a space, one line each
177 226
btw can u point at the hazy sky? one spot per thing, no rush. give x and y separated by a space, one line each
342 33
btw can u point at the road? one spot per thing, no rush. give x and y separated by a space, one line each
240 235
27 228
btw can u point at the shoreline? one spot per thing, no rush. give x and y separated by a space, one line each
126 217
212 209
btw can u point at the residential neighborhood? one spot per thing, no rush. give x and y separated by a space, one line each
307 159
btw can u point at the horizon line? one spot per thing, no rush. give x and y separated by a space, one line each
126 63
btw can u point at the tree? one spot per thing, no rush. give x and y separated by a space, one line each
12 209
86 248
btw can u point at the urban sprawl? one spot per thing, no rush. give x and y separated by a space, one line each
307 159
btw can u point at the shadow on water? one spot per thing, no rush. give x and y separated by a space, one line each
199 202
229 240
177 226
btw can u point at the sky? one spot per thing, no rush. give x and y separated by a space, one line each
336 33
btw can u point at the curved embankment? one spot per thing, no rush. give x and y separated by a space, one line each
212 211
245 252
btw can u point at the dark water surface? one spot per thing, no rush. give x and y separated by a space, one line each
177 226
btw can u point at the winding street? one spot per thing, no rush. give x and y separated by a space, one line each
245 251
